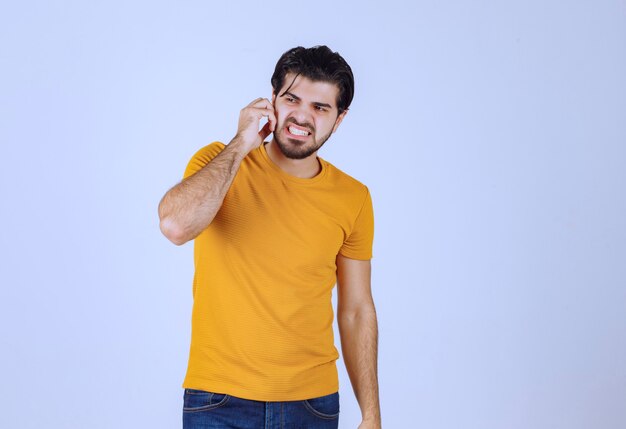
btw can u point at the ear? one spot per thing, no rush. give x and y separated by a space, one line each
273 97
339 119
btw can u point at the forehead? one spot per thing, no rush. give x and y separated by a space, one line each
313 91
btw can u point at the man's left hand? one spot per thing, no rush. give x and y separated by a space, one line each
370 424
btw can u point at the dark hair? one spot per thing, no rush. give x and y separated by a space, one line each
318 63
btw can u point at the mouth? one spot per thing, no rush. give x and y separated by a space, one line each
297 132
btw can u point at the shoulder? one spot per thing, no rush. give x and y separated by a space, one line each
353 194
343 182
209 151
202 157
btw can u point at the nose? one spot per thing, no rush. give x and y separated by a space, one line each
302 115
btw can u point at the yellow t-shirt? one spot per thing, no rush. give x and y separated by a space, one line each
264 272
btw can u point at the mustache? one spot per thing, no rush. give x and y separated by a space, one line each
306 125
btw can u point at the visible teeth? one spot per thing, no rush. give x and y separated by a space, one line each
298 132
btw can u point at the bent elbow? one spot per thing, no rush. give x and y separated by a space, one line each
172 232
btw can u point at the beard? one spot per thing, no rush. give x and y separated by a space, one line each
297 149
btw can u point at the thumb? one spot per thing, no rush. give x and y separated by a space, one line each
265 131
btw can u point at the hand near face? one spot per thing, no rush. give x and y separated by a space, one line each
250 117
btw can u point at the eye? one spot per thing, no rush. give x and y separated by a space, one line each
291 99
320 109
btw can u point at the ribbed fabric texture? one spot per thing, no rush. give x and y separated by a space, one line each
264 272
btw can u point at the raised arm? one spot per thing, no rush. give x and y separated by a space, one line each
190 206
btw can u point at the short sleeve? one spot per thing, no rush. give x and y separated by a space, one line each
358 245
202 158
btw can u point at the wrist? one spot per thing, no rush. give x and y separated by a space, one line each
371 418
239 147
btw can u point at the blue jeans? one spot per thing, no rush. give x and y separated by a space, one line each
208 410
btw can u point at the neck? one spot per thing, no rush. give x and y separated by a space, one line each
306 168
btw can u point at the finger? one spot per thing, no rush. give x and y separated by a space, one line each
265 131
265 113
271 118
253 102
261 112
263 103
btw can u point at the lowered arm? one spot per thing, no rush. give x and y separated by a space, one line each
358 328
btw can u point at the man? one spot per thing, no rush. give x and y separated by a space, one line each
275 228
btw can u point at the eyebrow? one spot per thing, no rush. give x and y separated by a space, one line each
315 103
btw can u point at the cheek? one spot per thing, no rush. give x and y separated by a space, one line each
281 115
325 126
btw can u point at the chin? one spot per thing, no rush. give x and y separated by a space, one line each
295 149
